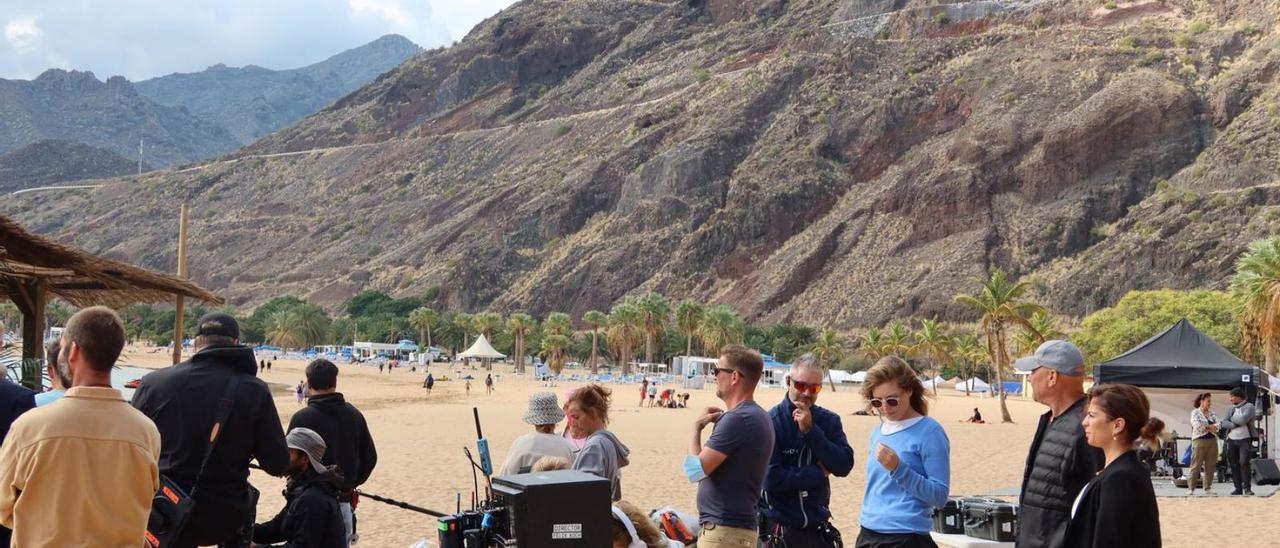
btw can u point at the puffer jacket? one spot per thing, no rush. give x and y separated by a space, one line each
1059 465
797 493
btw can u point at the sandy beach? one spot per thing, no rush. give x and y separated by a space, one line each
420 440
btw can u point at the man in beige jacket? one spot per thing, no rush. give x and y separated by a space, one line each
81 471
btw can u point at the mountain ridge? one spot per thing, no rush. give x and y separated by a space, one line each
566 154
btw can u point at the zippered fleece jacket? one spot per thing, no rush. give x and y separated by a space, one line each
797 492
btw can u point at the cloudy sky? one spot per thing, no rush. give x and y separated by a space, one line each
140 39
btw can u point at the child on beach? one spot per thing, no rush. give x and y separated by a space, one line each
468 388
653 393
299 392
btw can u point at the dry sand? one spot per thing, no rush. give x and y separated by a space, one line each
420 458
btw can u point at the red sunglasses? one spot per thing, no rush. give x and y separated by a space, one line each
812 388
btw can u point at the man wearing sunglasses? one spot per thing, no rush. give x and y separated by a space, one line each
1060 462
730 468
809 446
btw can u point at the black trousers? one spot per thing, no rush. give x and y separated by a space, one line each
1239 453
871 539
776 535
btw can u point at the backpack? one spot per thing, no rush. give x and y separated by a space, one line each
673 526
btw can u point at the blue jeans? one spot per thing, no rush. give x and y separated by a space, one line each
346 519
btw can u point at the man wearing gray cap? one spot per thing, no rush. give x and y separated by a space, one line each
310 516
1061 462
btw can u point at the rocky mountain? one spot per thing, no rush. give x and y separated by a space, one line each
252 101
833 162
76 106
53 161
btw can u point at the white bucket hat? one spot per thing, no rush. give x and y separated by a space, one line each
543 409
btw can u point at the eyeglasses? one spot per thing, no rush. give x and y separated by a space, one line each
891 401
720 370
810 387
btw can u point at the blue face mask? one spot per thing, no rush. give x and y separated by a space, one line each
693 469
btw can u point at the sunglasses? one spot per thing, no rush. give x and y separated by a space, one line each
720 370
810 387
891 401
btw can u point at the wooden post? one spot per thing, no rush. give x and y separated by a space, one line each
30 297
182 273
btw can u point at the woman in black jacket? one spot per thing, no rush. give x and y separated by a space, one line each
1118 508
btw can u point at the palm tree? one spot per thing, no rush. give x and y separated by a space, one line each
596 319
966 349
998 300
897 339
720 326
1040 327
520 325
871 344
558 323
932 341
462 321
284 328
828 348
423 319
625 331
688 318
1256 286
314 323
485 323
654 313
553 351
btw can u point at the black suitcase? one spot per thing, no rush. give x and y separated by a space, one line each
949 520
1265 472
990 519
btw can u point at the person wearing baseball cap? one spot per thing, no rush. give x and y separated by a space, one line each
310 516
544 414
1061 462
183 401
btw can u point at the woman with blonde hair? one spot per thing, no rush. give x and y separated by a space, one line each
602 454
909 462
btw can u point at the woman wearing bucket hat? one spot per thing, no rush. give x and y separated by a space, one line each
543 413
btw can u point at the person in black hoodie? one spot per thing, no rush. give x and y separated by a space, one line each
310 517
1118 508
809 447
14 401
183 400
350 446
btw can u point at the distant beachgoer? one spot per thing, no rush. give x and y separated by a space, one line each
269 365
299 392
468 388
429 383
488 385
975 418
644 391
653 393
379 367
262 365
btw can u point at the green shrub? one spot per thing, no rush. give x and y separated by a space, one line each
1039 22
1142 314
1152 57
703 75
1128 42
941 19
563 129
1198 27
1110 4
1184 40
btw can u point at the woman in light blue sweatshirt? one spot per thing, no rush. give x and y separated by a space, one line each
909 462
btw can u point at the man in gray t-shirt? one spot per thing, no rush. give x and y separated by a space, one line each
732 465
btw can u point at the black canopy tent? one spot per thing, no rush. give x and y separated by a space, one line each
1177 364
1180 357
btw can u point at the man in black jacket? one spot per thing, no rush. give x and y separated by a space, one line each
809 446
344 430
14 400
183 400
310 517
1061 462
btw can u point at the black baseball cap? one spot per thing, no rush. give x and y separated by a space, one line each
218 323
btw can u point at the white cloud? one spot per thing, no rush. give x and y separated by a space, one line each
22 33
141 39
